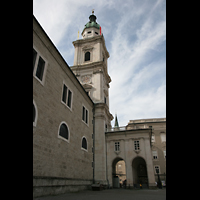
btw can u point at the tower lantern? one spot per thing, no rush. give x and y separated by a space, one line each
92 28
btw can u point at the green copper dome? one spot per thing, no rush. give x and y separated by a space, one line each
92 22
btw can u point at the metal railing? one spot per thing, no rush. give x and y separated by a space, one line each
124 128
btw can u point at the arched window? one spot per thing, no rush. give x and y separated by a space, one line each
64 131
84 143
87 56
35 113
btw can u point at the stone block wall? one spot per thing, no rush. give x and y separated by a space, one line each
59 165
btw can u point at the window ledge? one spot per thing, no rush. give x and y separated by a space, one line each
137 151
41 82
117 152
67 140
66 105
84 149
85 123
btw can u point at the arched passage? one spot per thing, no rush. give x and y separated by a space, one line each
118 172
139 172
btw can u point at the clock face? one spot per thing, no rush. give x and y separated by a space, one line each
86 79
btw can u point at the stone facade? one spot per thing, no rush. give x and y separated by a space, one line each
151 134
92 74
158 142
128 153
54 157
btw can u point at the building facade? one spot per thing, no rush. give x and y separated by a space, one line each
62 122
158 143
74 144
134 149
142 146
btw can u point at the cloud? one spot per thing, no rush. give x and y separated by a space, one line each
61 20
137 67
135 36
149 104
57 17
52 16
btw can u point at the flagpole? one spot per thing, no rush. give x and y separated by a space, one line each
78 35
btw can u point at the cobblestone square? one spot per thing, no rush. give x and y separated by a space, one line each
111 194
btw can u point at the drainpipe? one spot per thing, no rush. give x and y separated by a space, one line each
150 135
106 163
93 110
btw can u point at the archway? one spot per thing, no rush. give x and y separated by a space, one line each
139 172
118 172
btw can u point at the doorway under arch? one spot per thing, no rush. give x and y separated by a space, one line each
139 172
118 172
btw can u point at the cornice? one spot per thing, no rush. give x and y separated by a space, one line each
87 65
99 38
97 67
113 137
104 107
86 40
129 132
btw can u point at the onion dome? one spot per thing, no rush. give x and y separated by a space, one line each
92 23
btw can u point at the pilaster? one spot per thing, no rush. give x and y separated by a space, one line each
149 163
128 162
100 116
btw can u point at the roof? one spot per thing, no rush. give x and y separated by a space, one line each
116 121
92 23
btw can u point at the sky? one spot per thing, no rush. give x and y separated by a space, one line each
135 37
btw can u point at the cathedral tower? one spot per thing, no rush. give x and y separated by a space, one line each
90 62
90 67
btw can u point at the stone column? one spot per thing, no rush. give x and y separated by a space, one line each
149 163
109 164
128 161
100 145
